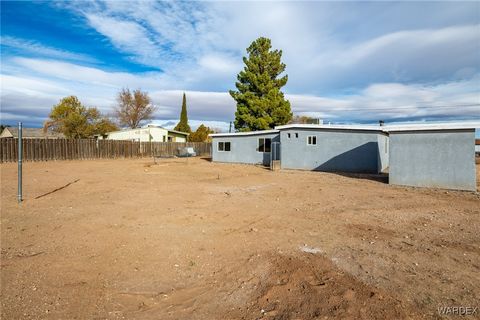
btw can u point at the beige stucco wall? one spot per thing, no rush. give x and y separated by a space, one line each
177 137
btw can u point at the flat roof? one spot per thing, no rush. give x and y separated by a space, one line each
248 133
465 125
331 126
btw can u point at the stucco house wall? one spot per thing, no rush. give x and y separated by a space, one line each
243 148
442 159
336 150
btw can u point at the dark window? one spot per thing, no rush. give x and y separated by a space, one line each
264 144
312 140
224 146
296 134
268 145
288 134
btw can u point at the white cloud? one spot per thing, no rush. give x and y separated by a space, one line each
31 47
35 94
199 45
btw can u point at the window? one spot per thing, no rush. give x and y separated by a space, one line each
296 134
311 140
264 144
224 146
288 135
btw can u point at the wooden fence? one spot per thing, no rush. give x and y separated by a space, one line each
73 149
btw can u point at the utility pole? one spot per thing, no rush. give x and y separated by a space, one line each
230 129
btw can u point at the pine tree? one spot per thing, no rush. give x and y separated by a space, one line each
183 124
260 103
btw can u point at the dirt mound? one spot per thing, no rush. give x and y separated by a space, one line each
310 286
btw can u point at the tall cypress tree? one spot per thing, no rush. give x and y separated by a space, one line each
260 103
183 124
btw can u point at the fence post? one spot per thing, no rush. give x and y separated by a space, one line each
20 156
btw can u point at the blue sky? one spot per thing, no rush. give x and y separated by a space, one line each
347 62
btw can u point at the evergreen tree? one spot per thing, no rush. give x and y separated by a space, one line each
260 103
183 124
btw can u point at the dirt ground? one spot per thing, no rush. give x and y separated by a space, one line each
191 239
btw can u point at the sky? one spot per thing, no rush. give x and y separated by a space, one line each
347 62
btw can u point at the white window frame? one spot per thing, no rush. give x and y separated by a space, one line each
258 145
224 143
310 142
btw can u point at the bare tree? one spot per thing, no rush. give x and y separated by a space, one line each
133 107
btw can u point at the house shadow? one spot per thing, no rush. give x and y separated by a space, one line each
208 159
379 177
361 162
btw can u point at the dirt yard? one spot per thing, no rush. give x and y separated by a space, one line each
191 239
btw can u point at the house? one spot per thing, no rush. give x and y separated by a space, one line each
30 133
427 155
307 147
477 147
150 133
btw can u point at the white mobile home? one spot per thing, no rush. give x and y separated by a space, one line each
149 133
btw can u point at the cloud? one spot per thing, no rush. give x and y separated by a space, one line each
25 93
129 37
31 47
202 42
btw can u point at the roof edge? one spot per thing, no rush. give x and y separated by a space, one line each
248 133
330 126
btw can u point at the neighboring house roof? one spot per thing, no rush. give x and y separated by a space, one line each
177 132
477 142
152 126
12 132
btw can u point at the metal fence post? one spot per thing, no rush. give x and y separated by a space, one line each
20 158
